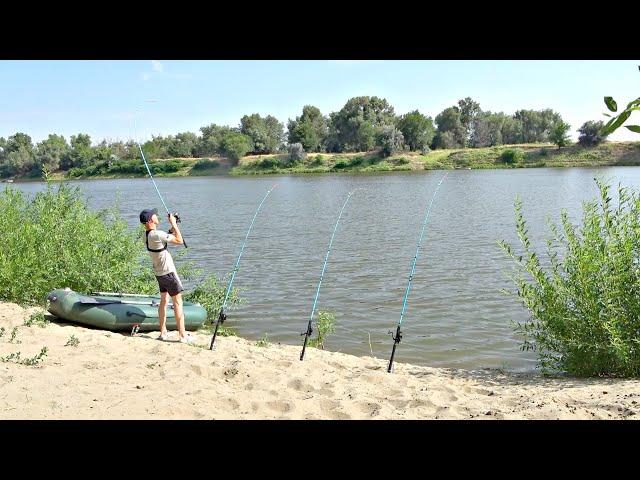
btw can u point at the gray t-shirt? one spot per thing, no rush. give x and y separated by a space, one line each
162 261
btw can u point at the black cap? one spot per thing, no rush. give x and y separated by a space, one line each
145 215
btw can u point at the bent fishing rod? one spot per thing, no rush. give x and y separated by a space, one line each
156 186
222 316
398 335
309 330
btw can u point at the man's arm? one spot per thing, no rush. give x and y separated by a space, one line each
177 236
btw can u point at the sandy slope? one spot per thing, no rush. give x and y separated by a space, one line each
112 376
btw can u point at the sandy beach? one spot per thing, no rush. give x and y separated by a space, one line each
109 375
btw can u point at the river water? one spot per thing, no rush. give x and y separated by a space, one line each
456 315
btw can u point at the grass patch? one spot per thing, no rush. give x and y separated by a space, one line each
263 342
31 361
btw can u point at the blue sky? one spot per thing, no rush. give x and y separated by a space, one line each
102 98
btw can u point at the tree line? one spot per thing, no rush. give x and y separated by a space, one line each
363 124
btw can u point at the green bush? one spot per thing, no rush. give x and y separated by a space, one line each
512 156
341 165
400 161
206 164
316 161
585 307
268 163
53 240
326 324
210 294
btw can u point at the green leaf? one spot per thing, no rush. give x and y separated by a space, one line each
633 128
611 104
607 115
634 102
615 122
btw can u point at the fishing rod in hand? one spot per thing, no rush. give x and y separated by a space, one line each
309 330
177 217
222 316
398 335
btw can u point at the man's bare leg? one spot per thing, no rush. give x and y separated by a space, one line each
179 314
162 312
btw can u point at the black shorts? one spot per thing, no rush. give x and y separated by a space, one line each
170 283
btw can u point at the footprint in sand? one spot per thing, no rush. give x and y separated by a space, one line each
418 403
279 406
233 403
368 408
328 409
299 385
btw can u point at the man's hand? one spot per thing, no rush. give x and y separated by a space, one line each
172 221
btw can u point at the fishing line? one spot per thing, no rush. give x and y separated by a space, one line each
398 335
135 130
309 330
222 315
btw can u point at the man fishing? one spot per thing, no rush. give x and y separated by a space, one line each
164 269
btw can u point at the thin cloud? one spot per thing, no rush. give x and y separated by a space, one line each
158 70
157 66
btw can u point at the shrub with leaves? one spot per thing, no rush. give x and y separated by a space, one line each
264 341
38 319
53 241
591 134
210 294
585 307
511 156
618 120
391 140
296 153
325 324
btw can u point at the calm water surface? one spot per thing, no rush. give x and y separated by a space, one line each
456 315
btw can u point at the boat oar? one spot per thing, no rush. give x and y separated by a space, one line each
398 335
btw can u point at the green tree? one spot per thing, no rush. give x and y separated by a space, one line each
560 134
183 144
266 133
310 129
511 130
448 121
536 125
18 155
235 145
391 140
355 127
50 152
445 140
80 153
469 111
157 147
417 129
211 140
591 133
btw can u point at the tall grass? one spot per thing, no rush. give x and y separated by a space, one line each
585 307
